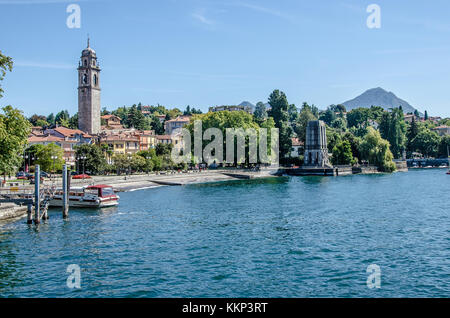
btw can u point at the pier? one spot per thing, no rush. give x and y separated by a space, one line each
36 199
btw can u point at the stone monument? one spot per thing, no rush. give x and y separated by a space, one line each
316 151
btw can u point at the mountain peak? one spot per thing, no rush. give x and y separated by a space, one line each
378 97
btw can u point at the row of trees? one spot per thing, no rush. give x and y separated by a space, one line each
91 158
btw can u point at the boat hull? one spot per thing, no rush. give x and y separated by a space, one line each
57 202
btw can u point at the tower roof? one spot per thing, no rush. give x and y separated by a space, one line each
88 51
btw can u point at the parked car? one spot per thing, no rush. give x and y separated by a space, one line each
32 179
22 175
81 176
45 174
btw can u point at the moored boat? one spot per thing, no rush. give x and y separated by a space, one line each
95 196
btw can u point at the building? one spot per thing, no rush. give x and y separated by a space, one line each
442 130
63 137
147 139
316 151
75 135
232 108
119 143
89 92
161 118
163 139
112 122
297 148
67 146
174 124
410 117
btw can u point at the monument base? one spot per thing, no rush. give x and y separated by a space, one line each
312 171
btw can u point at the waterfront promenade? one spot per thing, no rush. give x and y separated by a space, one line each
124 183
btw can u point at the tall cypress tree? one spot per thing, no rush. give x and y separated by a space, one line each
279 112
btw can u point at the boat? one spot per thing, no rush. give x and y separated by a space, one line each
95 196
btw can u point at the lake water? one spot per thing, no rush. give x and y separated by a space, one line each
286 237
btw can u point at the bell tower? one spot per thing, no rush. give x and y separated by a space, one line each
89 92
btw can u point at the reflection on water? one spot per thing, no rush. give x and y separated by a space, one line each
286 237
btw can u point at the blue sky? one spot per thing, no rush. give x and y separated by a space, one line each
204 53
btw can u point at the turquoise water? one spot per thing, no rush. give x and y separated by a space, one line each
289 237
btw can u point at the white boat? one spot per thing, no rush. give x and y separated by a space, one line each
96 196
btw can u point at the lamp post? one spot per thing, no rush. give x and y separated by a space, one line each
148 158
53 169
129 166
25 157
82 158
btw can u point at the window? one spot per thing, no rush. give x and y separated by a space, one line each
107 191
85 63
95 79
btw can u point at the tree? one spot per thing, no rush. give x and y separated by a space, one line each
393 129
328 116
156 125
138 163
279 112
226 119
358 117
35 118
376 150
426 142
188 111
426 115
42 123
163 149
375 112
45 159
293 113
14 130
314 110
341 108
105 112
149 156
354 142
32 151
121 162
62 118
122 113
51 119
339 123
6 64
136 119
342 154
444 146
260 112
73 121
95 161
304 117
411 133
